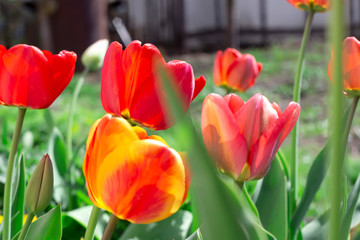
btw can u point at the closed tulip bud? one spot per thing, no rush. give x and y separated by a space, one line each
39 189
93 57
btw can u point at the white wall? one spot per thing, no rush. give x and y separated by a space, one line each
200 15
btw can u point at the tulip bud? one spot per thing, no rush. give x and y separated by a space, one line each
39 189
93 56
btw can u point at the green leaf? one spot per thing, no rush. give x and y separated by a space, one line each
214 203
75 223
57 152
317 229
314 180
46 227
61 188
175 227
195 236
243 208
196 221
18 194
272 201
351 204
49 119
4 138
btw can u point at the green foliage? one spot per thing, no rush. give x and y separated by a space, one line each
272 202
46 227
74 223
175 227
18 195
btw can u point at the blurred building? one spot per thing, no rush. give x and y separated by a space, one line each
177 25
204 23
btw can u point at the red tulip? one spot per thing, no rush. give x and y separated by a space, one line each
235 70
136 177
33 78
351 66
129 85
244 137
311 5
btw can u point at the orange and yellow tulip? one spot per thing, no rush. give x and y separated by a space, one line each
311 5
33 78
134 176
234 70
130 83
243 136
351 66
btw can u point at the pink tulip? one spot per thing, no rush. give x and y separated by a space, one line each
243 136
235 70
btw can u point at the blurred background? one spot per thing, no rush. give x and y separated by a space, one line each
190 30
177 26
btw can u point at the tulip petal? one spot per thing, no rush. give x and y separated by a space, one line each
112 98
263 151
33 78
234 101
183 77
142 196
221 135
258 112
62 67
199 85
105 135
229 57
217 70
243 72
20 87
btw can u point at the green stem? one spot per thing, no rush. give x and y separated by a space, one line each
349 122
9 173
72 112
69 152
90 230
337 150
296 98
26 226
251 203
110 227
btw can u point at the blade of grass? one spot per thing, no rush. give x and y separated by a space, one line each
214 204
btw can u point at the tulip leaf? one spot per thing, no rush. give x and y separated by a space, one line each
317 229
315 178
272 201
57 152
4 137
46 227
61 193
195 236
351 204
175 227
49 119
215 206
75 222
18 195
246 211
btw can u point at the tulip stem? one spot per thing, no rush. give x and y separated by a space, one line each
349 121
110 227
71 114
72 109
26 226
337 150
295 131
9 172
94 216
